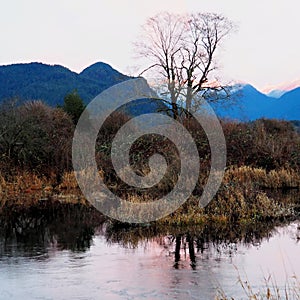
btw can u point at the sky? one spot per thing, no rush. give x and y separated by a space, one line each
264 51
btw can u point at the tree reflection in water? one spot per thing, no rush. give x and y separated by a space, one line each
179 239
72 227
192 243
33 230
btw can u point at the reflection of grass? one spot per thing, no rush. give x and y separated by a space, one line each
269 291
205 238
206 234
48 223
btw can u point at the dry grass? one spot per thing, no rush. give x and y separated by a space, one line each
269 290
274 179
24 188
238 200
27 189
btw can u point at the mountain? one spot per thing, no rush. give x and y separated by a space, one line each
281 88
52 82
37 81
247 103
104 73
276 93
289 105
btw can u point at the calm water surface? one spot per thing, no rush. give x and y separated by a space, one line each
161 267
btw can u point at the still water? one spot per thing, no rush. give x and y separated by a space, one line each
77 263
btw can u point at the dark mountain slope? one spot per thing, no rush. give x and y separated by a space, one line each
288 105
104 73
52 83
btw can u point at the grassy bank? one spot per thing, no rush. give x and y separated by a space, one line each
26 189
245 196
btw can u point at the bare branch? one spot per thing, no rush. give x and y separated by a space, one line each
183 48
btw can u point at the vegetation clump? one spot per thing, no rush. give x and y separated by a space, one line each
263 156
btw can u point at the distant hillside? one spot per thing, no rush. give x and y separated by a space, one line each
247 104
49 83
52 83
276 93
104 73
250 104
288 105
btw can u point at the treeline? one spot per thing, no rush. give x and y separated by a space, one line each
37 138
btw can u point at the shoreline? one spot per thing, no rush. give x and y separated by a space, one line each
244 197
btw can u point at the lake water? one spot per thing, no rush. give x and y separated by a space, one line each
82 264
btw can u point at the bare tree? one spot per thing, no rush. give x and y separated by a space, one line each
182 49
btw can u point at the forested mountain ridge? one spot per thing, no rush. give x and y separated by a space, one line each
50 83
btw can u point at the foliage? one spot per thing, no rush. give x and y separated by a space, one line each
73 105
35 149
265 143
34 137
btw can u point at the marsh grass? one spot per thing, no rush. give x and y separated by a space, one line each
25 189
240 199
283 178
269 290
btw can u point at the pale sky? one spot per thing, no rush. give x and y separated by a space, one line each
264 51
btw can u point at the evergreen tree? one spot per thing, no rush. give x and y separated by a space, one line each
73 105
